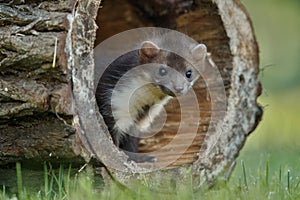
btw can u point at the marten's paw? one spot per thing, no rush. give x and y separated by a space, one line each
140 158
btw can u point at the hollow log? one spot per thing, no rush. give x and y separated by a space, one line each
48 108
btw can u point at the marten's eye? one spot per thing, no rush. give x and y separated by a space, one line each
162 71
188 73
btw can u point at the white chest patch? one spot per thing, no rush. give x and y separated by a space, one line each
145 123
129 101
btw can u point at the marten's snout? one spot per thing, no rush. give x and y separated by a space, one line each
177 84
178 88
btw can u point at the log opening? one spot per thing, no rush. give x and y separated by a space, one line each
200 21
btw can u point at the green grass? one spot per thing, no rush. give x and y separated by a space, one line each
261 182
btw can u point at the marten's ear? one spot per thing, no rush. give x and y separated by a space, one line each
148 50
199 52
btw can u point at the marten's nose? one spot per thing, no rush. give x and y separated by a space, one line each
178 88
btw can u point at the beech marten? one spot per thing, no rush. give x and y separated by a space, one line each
134 88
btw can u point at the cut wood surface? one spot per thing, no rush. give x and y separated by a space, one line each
47 105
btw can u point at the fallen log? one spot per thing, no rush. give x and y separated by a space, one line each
48 109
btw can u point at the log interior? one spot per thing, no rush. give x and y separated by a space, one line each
201 21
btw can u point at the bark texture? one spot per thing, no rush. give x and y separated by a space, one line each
36 103
48 109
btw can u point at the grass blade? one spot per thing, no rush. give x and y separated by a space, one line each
46 180
68 181
3 191
244 175
288 182
280 175
19 180
267 174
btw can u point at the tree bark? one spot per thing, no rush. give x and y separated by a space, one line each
36 103
48 109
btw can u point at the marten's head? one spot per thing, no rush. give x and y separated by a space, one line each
173 74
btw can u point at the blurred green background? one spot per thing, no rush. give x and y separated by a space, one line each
277 138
